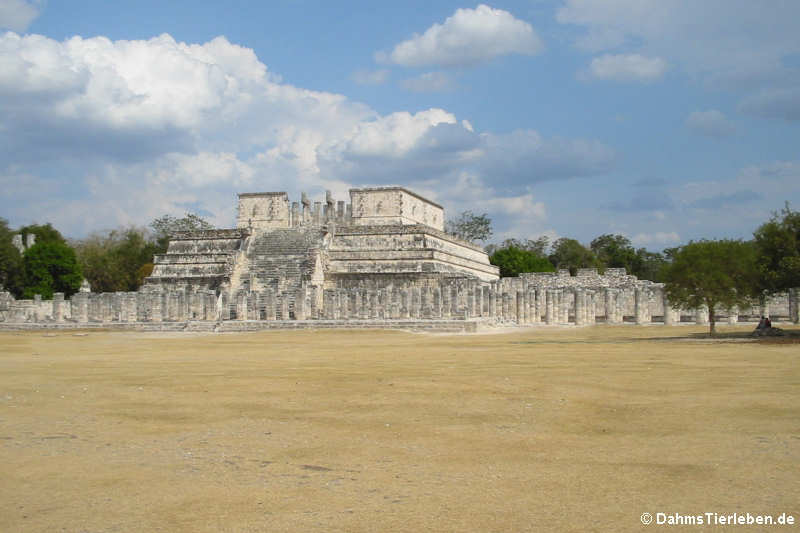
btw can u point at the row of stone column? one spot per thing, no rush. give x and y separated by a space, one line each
268 304
128 307
458 300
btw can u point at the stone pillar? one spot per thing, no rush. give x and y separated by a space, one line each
296 214
300 304
492 301
469 306
521 308
608 294
252 306
405 302
558 306
669 313
447 306
241 306
58 307
359 304
701 315
342 307
284 306
329 206
269 304
506 305
579 307
80 307
155 307
374 311
794 305
416 302
437 302
541 303
142 307
397 303
549 311
640 311
733 315
212 306
567 300
592 307
533 318
37 306
133 307
206 310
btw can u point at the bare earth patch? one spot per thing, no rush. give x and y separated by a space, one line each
577 429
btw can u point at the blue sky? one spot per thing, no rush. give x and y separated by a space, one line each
663 120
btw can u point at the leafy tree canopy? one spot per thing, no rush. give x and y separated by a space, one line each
712 273
114 261
616 251
778 246
572 255
51 266
538 246
43 232
514 261
470 227
11 268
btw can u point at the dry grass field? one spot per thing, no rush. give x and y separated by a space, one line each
539 430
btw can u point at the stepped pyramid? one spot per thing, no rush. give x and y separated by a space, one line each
385 237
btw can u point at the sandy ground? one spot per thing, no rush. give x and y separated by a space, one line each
541 430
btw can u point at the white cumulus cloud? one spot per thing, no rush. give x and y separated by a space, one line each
627 67
120 132
467 37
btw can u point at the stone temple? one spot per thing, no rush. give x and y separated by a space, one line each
385 238
382 260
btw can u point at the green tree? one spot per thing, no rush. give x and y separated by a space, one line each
43 232
470 227
615 251
163 227
114 261
538 246
572 255
514 261
11 268
50 267
720 273
649 265
778 246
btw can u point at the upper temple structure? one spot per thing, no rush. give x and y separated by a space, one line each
383 237
380 260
